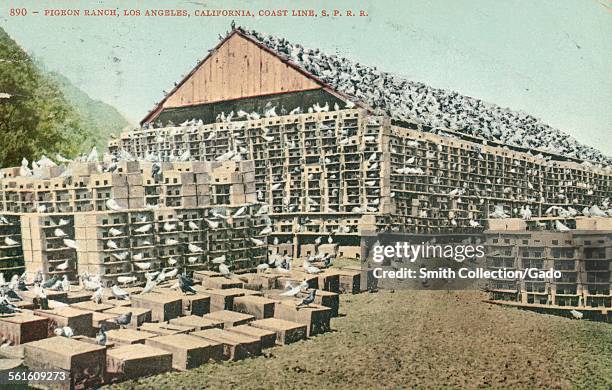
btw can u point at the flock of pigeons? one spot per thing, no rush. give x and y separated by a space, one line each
438 108
605 211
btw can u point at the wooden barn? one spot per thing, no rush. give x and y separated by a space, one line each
241 74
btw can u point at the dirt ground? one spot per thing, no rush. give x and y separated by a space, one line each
425 340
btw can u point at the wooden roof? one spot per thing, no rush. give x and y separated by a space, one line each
239 67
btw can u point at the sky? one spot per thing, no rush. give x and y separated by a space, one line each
549 58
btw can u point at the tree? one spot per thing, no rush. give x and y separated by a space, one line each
35 118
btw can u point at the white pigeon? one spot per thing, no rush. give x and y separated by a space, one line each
143 228
138 256
212 224
111 244
65 283
266 230
172 261
63 266
525 213
193 226
192 259
119 293
112 204
71 244
143 266
262 267
576 314
262 210
9 241
219 260
98 295
126 279
310 268
151 284
561 227
293 290
194 248
595 211
224 270
161 277
498 212
240 211
115 232
257 241
120 256
59 233
172 274
169 227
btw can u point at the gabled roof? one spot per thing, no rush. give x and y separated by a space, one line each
237 32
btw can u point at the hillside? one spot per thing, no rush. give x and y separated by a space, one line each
44 113
99 119
35 117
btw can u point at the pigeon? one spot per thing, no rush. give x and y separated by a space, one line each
124 319
172 261
294 290
8 308
119 293
171 274
9 241
59 233
308 300
169 227
239 212
51 282
194 248
310 268
219 260
71 244
211 224
576 314
143 266
193 226
126 279
561 227
144 228
65 331
525 213
115 232
595 211
224 270
63 266
120 256
161 277
111 244
98 295
262 267
65 283
257 242
112 204
149 286
101 335
186 284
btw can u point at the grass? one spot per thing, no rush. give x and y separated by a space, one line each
422 339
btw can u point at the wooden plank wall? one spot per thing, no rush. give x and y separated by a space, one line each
238 69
